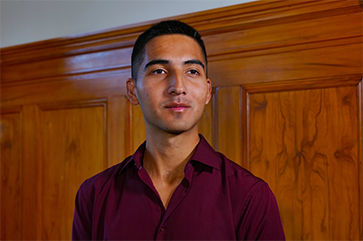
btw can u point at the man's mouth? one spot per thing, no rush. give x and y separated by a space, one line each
177 107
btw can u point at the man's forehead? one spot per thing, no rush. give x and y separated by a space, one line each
173 47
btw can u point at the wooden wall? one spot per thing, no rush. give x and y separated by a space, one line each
287 105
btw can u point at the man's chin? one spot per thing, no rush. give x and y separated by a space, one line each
177 130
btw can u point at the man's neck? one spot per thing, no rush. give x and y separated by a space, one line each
166 156
164 160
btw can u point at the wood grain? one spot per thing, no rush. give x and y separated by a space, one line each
304 144
205 125
117 121
231 32
138 132
66 162
31 221
229 122
11 176
360 146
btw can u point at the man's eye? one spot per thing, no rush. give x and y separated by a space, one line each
193 72
158 71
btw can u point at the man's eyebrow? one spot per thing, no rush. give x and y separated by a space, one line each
194 61
164 61
156 61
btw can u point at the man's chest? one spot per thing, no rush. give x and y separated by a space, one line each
140 215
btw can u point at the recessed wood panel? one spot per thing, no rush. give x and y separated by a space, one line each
305 145
11 176
73 148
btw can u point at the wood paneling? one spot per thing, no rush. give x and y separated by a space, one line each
11 175
230 33
72 65
66 162
117 129
86 88
66 143
206 123
31 193
138 132
287 65
228 121
304 144
287 105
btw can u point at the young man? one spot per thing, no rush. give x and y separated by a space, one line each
175 186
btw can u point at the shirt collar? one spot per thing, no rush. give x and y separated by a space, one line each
204 153
136 158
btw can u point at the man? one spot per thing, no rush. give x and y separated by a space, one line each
175 186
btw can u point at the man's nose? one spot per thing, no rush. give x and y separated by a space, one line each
177 85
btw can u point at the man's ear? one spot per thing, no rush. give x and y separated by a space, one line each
131 91
209 95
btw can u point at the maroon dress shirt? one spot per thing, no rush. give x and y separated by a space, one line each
217 200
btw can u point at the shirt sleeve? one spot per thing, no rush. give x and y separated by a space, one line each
260 216
82 220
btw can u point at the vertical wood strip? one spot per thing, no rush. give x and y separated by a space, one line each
106 136
40 179
244 128
129 128
117 129
31 195
138 127
205 124
360 154
229 131
215 120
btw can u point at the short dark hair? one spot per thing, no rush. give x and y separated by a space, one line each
163 28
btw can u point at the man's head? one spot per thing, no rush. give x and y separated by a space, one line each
172 86
162 28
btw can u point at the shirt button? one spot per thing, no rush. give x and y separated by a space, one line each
161 229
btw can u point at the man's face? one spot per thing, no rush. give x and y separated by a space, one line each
172 88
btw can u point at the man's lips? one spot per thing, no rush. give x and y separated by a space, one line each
177 107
